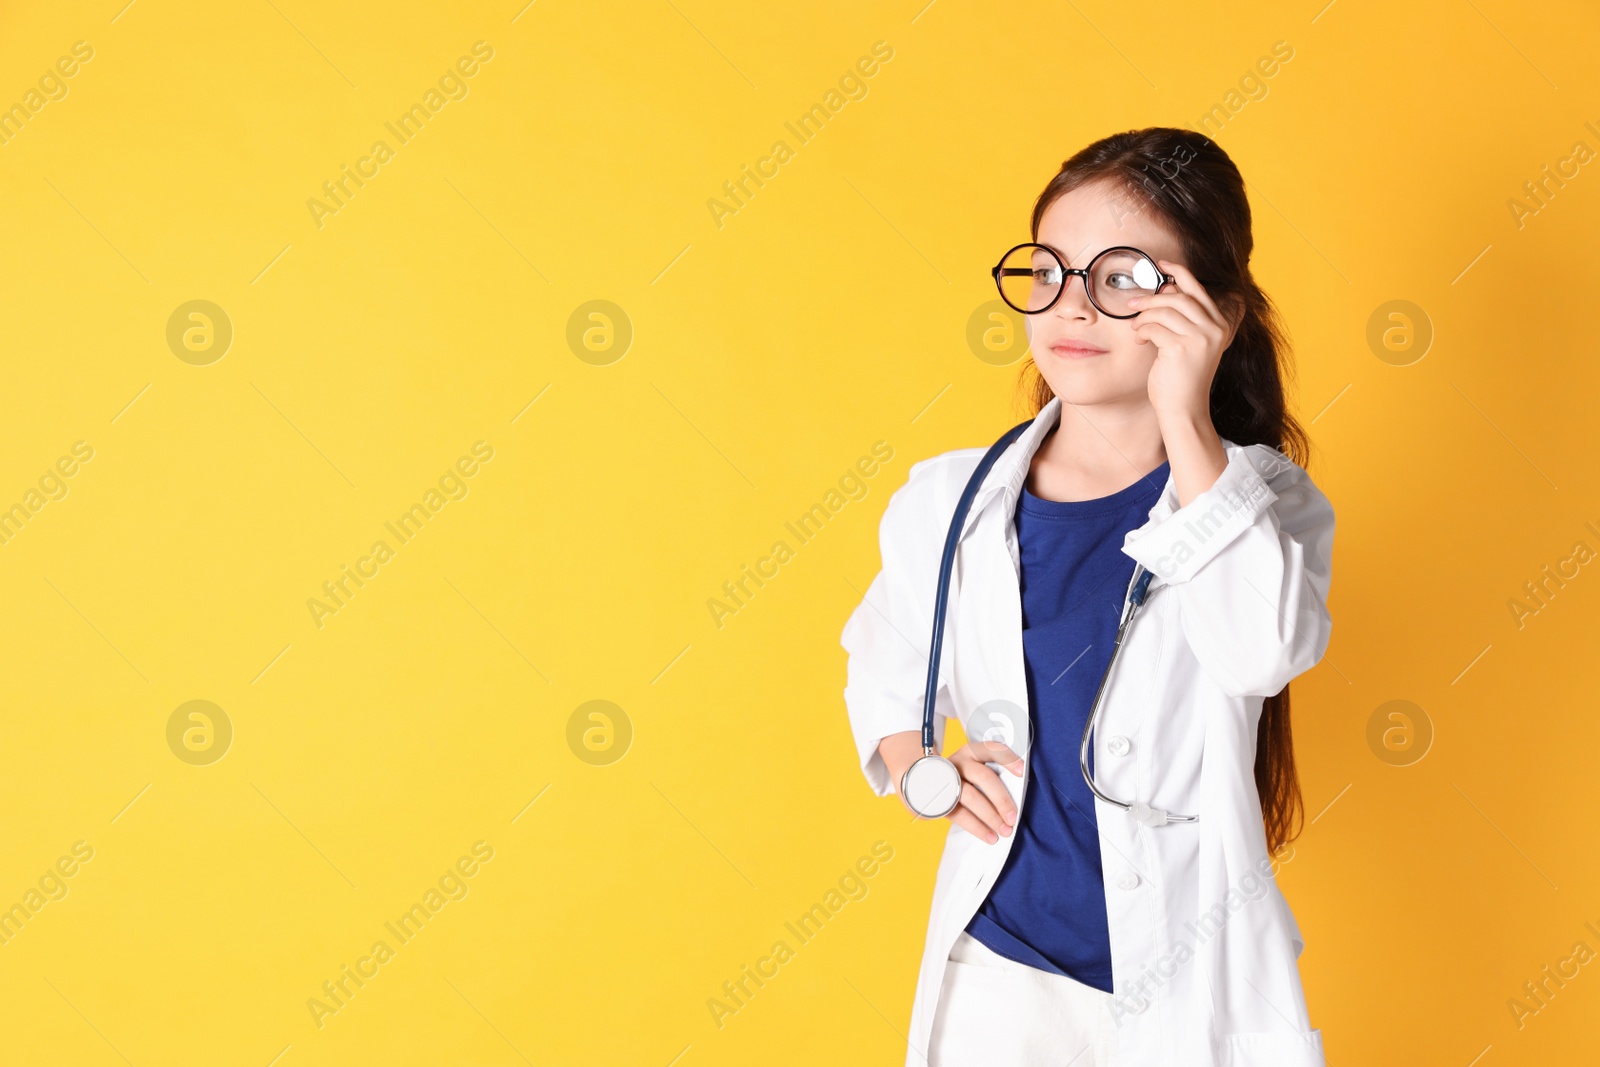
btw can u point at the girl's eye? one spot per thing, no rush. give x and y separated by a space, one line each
1118 280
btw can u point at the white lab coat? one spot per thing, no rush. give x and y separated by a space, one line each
1203 943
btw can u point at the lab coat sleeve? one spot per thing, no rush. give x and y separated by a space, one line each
887 635
1250 562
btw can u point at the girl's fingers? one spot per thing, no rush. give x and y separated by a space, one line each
973 825
1157 334
1166 319
1175 318
975 803
994 790
1188 283
995 752
1183 303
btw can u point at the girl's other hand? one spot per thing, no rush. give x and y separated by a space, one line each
986 809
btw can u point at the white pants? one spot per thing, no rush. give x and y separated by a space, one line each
995 1012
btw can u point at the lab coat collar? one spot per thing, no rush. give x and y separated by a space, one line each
1005 479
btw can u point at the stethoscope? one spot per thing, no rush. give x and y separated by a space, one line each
931 786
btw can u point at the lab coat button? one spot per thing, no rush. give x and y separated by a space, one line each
1119 745
1127 880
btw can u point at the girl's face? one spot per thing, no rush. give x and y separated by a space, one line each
1089 358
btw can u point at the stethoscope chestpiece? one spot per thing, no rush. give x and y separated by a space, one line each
931 786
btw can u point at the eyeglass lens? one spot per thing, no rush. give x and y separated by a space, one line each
1031 277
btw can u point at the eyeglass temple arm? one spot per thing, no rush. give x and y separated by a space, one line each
1016 272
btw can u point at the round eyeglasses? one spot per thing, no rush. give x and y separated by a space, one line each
1031 278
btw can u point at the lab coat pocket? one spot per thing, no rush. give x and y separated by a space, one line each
1276 1048
974 1000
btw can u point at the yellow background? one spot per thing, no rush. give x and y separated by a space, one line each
768 354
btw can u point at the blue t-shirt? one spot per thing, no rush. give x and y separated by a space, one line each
1048 907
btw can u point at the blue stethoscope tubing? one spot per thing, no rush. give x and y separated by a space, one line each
1140 585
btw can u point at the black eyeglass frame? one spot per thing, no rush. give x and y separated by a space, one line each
1082 272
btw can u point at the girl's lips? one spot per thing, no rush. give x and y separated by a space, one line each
1074 350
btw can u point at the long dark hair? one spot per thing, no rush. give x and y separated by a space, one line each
1189 183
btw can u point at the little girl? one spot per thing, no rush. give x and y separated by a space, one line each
1107 895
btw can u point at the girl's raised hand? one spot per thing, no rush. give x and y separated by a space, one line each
1190 334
